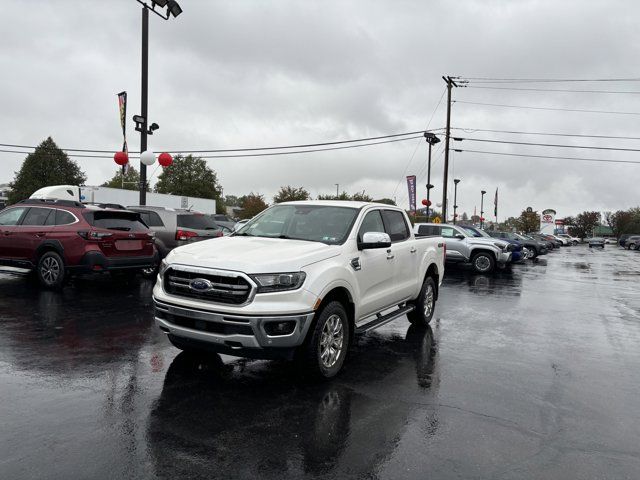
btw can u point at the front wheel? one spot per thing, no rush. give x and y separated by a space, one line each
325 350
483 262
533 252
424 305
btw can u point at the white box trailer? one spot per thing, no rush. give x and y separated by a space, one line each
91 194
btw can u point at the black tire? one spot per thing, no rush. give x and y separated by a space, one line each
483 262
51 271
324 329
575 242
534 252
425 304
151 272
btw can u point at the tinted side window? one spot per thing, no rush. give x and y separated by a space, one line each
37 216
154 220
372 223
428 230
395 225
11 216
64 218
197 222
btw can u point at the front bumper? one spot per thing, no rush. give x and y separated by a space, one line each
504 257
240 335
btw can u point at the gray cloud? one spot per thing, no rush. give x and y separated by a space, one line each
230 74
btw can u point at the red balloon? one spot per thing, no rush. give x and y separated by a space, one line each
426 203
121 158
455 215
482 219
165 159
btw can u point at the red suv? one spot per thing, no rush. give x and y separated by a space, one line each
57 238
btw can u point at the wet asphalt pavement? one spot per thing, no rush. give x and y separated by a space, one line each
531 373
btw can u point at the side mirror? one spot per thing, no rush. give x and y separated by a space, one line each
374 240
459 236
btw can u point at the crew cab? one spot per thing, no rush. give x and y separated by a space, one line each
484 254
299 281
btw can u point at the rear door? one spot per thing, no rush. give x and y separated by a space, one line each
404 252
9 218
32 231
456 249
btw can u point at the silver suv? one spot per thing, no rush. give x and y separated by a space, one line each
484 254
176 227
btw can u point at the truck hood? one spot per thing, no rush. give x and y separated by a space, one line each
253 254
488 241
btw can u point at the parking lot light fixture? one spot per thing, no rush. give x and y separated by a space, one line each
456 181
431 139
482 192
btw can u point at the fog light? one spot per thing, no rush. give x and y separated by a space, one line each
275 329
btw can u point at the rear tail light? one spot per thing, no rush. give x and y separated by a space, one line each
219 233
92 235
185 235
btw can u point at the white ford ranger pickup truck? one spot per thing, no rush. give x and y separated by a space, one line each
299 281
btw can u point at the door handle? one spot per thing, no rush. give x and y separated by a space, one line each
390 255
413 250
40 234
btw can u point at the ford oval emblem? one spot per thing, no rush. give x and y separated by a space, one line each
200 285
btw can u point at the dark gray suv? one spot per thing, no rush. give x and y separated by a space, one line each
176 227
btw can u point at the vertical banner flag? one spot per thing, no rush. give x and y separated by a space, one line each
495 206
122 106
411 185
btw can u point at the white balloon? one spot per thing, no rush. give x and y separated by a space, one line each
148 157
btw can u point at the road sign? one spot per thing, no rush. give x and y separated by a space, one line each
437 220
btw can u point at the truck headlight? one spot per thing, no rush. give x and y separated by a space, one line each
278 282
163 267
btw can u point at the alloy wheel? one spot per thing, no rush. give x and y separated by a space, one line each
50 270
428 301
331 341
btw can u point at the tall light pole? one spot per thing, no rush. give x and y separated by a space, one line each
482 192
166 9
431 140
456 181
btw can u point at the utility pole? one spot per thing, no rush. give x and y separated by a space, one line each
143 108
337 188
450 83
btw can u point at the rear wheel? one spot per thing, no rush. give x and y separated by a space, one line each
483 262
50 270
424 305
326 347
533 252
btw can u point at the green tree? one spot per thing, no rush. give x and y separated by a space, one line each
231 201
252 205
47 165
291 194
584 224
131 180
190 177
528 222
386 201
356 197
465 217
624 221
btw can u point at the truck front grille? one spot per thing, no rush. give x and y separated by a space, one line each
234 290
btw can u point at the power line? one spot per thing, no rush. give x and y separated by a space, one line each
545 80
249 149
566 90
418 143
578 159
268 154
486 140
516 132
546 108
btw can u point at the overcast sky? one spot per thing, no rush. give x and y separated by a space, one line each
232 74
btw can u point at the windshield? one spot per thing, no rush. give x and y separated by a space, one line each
315 223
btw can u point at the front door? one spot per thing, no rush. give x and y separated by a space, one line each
376 270
32 231
9 218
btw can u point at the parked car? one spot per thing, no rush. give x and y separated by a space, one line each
484 254
596 242
623 238
176 227
59 238
611 241
299 281
534 246
541 238
518 253
224 220
569 239
632 242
